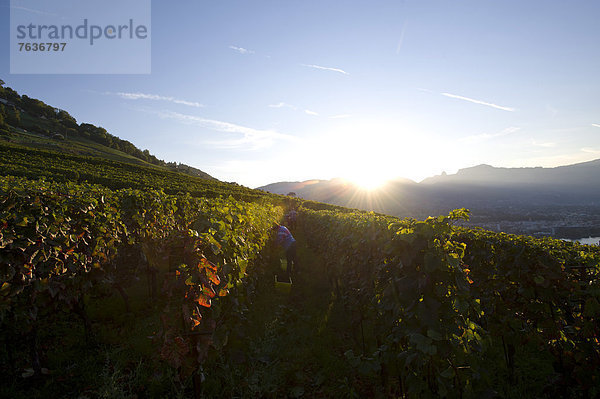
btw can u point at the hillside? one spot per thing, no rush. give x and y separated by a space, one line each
32 123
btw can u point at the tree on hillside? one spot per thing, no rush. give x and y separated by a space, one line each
1 82
66 119
11 95
13 117
37 107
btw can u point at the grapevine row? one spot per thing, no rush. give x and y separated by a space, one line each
446 311
62 243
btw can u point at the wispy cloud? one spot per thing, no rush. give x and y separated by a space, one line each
241 50
547 144
251 139
326 68
293 107
33 11
472 100
156 97
591 150
487 136
401 40
283 105
595 124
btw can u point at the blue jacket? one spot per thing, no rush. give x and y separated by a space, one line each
284 237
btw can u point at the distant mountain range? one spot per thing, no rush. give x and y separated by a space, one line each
479 188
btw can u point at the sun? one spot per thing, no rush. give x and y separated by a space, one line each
371 153
368 181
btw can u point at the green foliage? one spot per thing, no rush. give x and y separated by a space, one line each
542 294
35 164
450 310
59 243
13 116
405 278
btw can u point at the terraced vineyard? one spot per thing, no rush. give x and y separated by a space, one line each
119 280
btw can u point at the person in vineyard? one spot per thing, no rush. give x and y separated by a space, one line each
291 218
285 239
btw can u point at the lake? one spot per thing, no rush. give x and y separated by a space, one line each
588 240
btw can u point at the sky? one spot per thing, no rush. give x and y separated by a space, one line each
258 92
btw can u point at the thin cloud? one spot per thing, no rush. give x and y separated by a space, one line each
591 150
472 100
488 136
283 105
31 10
401 40
595 125
548 144
326 68
293 107
241 50
251 139
156 97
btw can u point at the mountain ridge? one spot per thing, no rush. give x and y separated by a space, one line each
481 188
582 172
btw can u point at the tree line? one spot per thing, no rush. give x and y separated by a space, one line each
57 123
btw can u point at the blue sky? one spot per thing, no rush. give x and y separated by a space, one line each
264 91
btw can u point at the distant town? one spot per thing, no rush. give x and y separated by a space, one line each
571 222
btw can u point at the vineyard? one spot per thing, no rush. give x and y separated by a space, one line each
18 160
120 280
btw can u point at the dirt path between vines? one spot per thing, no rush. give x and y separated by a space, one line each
295 343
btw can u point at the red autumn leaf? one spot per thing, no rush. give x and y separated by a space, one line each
206 264
203 300
208 291
195 322
213 277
